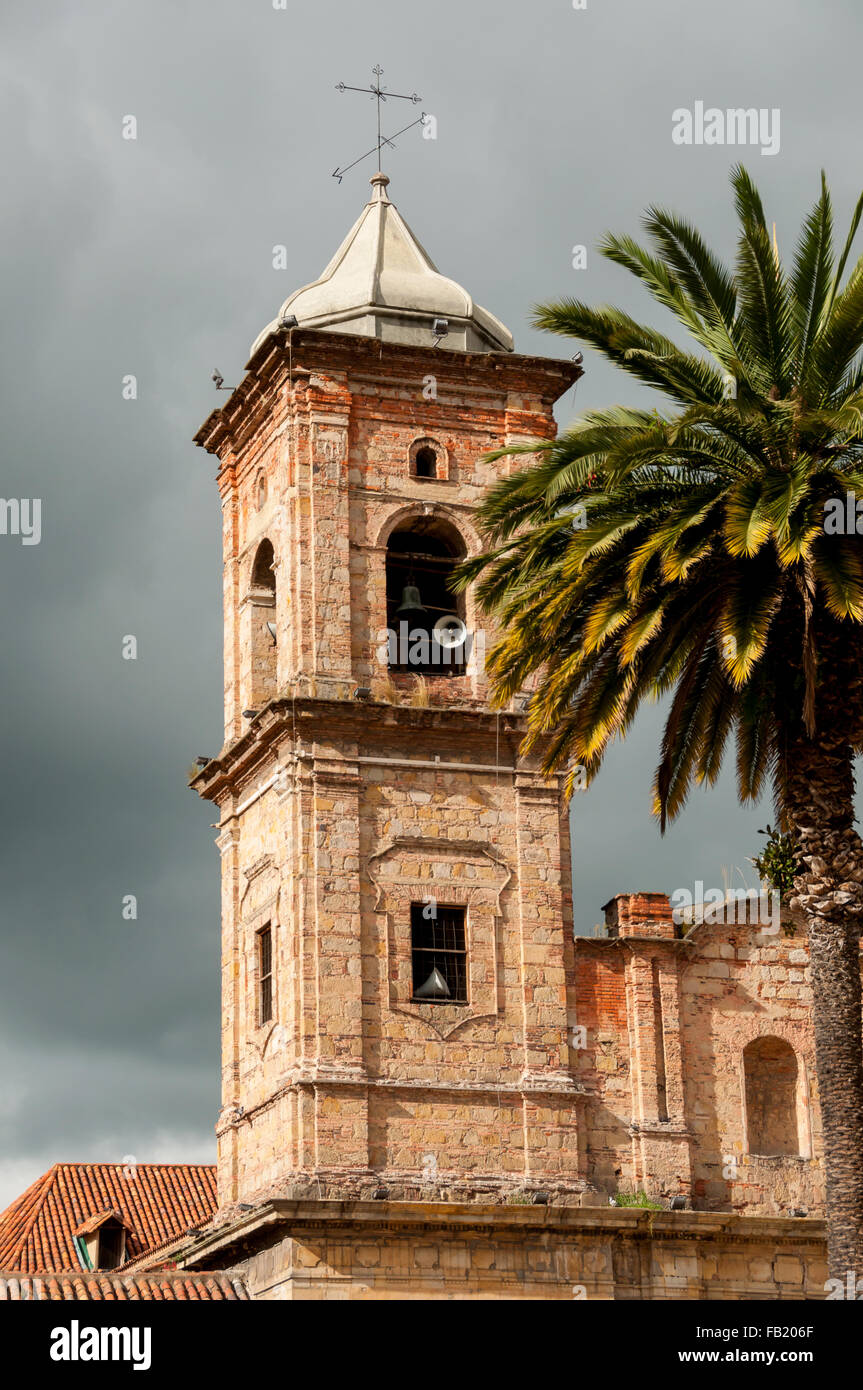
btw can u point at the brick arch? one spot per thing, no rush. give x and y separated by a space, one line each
418 511
748 1029
261 676
440 451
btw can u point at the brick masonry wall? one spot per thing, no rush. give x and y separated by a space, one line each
670 1021
337 814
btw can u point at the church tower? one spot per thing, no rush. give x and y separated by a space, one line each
396 897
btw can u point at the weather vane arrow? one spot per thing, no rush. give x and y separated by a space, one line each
381 94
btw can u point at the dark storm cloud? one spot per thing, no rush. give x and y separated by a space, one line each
153 257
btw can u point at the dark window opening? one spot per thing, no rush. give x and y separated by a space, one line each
265 975
439 954
425 463
421 561
110 1252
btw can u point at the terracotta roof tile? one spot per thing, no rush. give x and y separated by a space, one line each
94 1222
75 1285
157 1202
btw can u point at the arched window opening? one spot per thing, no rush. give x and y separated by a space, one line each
770 1076
426 463
428 459
263 571
421 559
262 602
262 490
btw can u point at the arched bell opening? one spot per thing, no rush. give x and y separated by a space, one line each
425 615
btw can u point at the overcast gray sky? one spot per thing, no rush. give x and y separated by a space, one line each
154 257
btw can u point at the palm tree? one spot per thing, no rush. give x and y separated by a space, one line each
693 553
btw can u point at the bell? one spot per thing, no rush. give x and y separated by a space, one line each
435 987
411 601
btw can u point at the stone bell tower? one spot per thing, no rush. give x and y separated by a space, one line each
396 898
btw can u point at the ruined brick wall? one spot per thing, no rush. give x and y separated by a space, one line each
740 987
683 1033
602 1063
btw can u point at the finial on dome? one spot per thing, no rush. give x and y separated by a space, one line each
380 183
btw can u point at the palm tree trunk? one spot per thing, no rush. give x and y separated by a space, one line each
817 783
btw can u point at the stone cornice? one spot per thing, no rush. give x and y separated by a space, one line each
278 359
380 1219
363 722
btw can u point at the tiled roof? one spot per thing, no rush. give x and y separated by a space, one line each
94 1222
156 1202
77 1285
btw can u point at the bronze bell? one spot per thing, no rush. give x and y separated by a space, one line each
435 987
411 601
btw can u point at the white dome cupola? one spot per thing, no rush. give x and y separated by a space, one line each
381 283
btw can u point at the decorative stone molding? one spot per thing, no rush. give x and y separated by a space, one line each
259 906
409 870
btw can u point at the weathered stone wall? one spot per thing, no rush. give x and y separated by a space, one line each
375 1251
315 450
338 813
352 1075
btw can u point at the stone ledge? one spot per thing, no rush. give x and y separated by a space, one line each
385 1217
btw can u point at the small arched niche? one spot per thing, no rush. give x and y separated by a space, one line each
428 459
770 1073
422 556
262 610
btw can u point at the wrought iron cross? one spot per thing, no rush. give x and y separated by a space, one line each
381 94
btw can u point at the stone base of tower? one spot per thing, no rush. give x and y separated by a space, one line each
449 1141
379 1250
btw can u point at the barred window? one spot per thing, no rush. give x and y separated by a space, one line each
265 974
439 954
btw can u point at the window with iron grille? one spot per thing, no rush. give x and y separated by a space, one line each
265 975
439 954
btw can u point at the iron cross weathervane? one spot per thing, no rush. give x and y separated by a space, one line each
380 93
